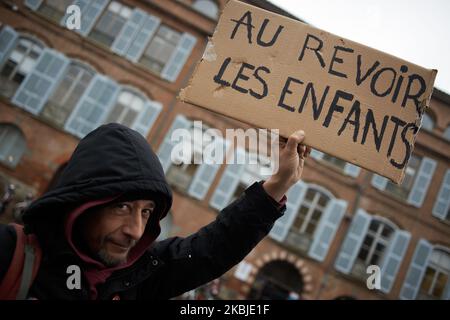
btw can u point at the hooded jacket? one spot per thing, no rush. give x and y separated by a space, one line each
115 161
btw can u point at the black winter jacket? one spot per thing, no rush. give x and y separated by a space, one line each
115 160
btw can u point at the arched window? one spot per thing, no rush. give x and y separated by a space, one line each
20 62
374 245
427 122
127 108
12 144
308 217
436 277
69 90
207 7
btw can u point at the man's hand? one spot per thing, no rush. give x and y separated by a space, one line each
292 160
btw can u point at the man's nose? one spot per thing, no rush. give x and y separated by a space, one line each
134 226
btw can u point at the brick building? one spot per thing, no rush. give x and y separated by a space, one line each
127 63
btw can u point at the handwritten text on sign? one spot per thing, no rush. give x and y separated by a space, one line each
354 102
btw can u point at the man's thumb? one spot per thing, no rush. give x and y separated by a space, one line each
294 139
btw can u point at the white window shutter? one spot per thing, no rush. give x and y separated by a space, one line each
442 204
295 197
316 154
165 150
93 107
393 258
228 183
422 182
90 11
447 133
446 295
128 32
379 182
176 62
205 174
352 241
416 270
8 39
142 37
41 81
147 117
326 230
33 4
352 170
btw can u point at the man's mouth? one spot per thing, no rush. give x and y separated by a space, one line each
121 245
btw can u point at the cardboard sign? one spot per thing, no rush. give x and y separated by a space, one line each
355 103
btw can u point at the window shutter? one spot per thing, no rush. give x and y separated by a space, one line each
41 81
446 295
93 106
316 154
165 150
142 38
416 270
33 4
8 38
206 173
128 32
90 11
176 62
352 242
147 117
422 181
352 170
326 230
295 197
228 183
379 182
442 204
393 258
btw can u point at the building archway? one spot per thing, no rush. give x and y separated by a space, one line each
277 280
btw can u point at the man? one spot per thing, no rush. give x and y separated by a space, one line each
103 216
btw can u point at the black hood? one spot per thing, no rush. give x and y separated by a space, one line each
110 161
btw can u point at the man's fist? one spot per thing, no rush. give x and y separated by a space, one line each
292 159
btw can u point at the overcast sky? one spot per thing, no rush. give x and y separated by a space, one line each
414 30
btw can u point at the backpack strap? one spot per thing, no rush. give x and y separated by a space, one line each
23 268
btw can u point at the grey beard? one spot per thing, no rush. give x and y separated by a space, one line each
109 261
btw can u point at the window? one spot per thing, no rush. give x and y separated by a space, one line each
19 63
110 23
402 191
207 7
340 164
127 108
65 97
427 122
12 144
181 174
54 9
346 167
373 247
196 170
160 49
308 217
436 276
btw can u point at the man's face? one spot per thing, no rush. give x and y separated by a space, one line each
111 231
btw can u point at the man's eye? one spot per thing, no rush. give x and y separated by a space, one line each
122 206
146 213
